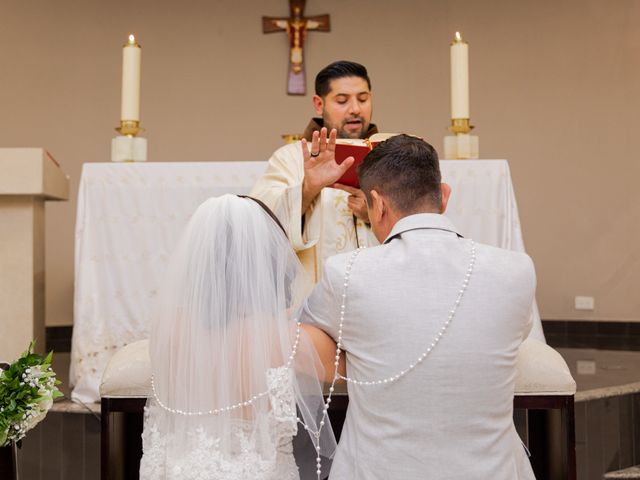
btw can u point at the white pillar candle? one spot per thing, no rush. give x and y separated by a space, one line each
131 54
459 78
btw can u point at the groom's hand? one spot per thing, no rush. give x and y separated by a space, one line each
320 166
357 201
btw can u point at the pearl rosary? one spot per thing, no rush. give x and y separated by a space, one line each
337 376
402 373
420 359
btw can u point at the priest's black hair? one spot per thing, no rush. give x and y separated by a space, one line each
406 170
339 69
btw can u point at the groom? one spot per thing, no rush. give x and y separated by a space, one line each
431 327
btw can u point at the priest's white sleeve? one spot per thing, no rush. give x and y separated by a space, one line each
280 188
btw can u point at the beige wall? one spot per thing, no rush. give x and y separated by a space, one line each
554 89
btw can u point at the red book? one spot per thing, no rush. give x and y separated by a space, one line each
358 149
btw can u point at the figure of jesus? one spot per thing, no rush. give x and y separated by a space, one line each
297 32
296 26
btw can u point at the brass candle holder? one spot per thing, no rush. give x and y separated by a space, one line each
460 125
129 128
291 137
461 145
128 147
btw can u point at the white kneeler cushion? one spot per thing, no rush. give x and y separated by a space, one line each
542 371
128 373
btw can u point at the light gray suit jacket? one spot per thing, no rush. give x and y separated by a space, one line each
451 417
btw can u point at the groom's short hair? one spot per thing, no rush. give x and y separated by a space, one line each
406 170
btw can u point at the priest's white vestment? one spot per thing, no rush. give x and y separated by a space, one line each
328 226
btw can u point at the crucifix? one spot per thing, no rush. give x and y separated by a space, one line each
296 26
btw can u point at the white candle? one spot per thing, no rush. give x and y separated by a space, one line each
459 78
131 54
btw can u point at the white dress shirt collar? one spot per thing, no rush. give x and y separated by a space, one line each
422 221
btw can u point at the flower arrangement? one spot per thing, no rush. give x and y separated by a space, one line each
27 390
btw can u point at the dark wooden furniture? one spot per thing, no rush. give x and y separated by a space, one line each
536 407
130 431
9 462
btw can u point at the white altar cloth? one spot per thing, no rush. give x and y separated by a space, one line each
131 215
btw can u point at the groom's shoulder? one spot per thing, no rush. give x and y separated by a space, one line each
337 264
504 255
506 263
366 259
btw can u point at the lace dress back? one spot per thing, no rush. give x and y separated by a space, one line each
204 460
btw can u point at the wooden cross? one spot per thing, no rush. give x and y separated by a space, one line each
296 26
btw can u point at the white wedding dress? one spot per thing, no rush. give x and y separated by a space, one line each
206 462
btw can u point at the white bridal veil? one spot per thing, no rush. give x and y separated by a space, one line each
223 331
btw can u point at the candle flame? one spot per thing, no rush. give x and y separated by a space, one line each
132 39
458 37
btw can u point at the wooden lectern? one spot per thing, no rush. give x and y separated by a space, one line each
28 178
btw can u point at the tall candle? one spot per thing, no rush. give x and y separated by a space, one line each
459 78
131 54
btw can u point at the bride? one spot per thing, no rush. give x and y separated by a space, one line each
234 375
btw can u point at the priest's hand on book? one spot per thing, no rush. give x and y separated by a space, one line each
357 201
320 166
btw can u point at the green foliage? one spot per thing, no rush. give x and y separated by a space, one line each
27 390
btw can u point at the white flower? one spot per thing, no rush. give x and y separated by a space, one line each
32 422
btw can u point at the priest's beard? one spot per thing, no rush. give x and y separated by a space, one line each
343 129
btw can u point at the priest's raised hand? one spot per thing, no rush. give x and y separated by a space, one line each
320 166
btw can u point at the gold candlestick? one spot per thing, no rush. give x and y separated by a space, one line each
130 128
460 125
461 145
291 137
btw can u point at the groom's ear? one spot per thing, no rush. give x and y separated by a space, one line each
445 191
378 207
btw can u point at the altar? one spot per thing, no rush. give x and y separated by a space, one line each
130 216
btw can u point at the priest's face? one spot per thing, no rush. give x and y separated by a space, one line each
347 107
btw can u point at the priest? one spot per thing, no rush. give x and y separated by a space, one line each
323 218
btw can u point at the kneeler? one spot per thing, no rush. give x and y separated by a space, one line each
543 382
125 387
